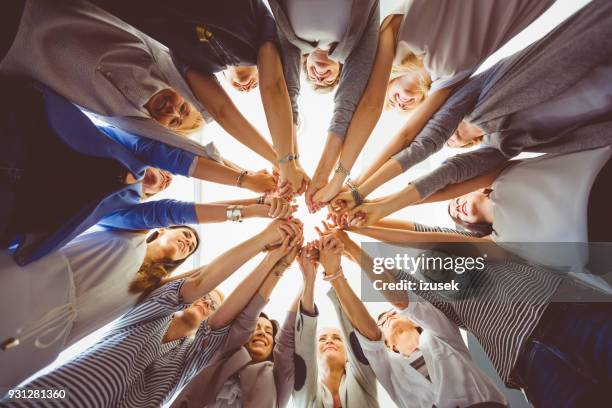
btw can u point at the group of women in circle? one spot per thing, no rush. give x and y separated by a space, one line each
100 100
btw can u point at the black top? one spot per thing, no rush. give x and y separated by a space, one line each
208 35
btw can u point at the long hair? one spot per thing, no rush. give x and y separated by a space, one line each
151 274
411 64
481 228
275 330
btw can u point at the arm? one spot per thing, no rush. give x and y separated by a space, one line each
208 277
306 370
393 235
215 172
283 356
245 290
216 101
275 100
353 308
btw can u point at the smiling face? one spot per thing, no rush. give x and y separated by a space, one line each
155 181
405 92
393 326
468 207
466 135
261 342
242 78
170 110
175 243
331 350
322 70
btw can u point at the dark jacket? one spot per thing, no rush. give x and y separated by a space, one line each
207 35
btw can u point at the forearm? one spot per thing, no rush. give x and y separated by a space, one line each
395 145
211 213
275 99
215 172
355 310
388 171
241 129
241 296
394 235
395 223
271 280
208 277
329 157
308 303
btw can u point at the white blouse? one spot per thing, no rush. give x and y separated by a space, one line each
65 296
455 37
545 200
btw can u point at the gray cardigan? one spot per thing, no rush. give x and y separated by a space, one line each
356 52
523 81
257 381
101 64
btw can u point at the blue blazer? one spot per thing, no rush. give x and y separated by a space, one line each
76 130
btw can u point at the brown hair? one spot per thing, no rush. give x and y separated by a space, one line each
150 275
318 88
275 330
411 64
480 228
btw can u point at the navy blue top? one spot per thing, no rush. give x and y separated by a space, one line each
207 35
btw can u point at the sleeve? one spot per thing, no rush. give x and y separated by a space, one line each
430 318
152 214
162 302
359 366
265 23
426 228
283 360
355 76
459 168
206 345
442 124
291 56
305 387
244 324
153 153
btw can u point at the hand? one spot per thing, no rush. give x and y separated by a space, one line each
330 251
288 259
343 202
331 190
259 182
275 232
308 261
366 214
276 254
297 178
314 186
280 207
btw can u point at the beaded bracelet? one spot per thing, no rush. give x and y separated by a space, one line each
330 278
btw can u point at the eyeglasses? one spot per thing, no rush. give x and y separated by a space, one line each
214 305
385 318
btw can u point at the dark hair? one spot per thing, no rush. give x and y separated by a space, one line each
318 88
480 228
275 330
151 274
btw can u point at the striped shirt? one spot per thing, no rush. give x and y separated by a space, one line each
501 306
131 367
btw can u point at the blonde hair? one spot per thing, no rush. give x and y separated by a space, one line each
411 64
198 123
474 142
318 88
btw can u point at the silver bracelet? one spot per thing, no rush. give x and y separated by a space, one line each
342 170
234 213
240 178
357 197
289 158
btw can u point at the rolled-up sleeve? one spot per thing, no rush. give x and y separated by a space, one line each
152 214
442 124
153 153
459 168
354 77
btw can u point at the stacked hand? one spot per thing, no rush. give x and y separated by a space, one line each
278 230
293 180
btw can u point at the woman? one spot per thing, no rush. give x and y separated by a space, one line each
515 106
456 381
158 334
102 175
516 311
74 291
462 42
334 44
207 37
346 378
257 369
